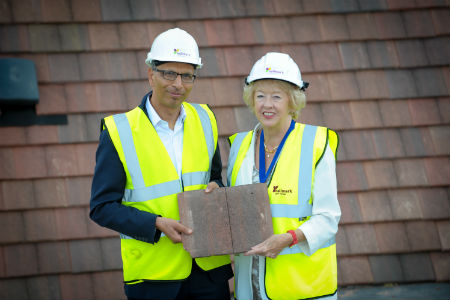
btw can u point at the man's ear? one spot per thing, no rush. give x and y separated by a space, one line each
150 76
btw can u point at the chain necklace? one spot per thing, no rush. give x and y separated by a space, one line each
268 152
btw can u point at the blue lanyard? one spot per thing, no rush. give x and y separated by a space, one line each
262 155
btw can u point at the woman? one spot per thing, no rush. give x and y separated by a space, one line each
297 162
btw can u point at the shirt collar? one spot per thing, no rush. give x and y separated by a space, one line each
155 118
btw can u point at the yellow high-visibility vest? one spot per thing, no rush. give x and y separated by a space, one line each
292 274
153 184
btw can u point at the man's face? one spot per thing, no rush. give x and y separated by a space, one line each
170 93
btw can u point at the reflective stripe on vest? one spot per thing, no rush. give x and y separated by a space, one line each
303 207
234 152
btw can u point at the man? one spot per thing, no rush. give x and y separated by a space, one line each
145 157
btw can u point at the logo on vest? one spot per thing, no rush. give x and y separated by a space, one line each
278 191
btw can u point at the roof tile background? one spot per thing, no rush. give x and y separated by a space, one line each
379 75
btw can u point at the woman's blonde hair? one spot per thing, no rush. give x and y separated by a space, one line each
297 97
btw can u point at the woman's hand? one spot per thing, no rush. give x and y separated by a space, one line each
272 246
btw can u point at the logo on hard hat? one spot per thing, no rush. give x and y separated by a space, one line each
269 70
178 52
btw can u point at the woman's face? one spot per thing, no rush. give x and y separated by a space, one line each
271 105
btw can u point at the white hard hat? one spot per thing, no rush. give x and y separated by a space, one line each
274 65
174 45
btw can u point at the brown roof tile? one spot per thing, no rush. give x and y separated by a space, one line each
42 134
351 176
55 11
325 57
44 38
226 120
444 234
40 225
351 211
359 145
438 170
312 114
16 38
86 10
375 206
227 92
411 53
114 282
411 172
382 54
2 268
263 7
110 252
198 9
361 27
19 194
63 67
239 60
53 257
216 64
44 287
389 25
424 111
52 100
380 174
76 286
365 114
333 27
361 238
441 264
86 255
342 247
305 29
401 83
173 9
417 267
405 204
132 35
388 143
391 237
248 31
12 136
14 230
26 11
219 32
26 254
71 223
386 268
444 108
418 23
372 84
50 192
437 50
343 86
318 87
430 82
441 21
354 270
423 235
440 137
434 203
354 55
232 8
276 30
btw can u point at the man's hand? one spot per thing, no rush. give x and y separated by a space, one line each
272 246
172 228
211 187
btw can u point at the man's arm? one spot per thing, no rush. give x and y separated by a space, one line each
216 168
108 186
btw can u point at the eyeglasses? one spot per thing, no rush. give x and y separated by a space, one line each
171 75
